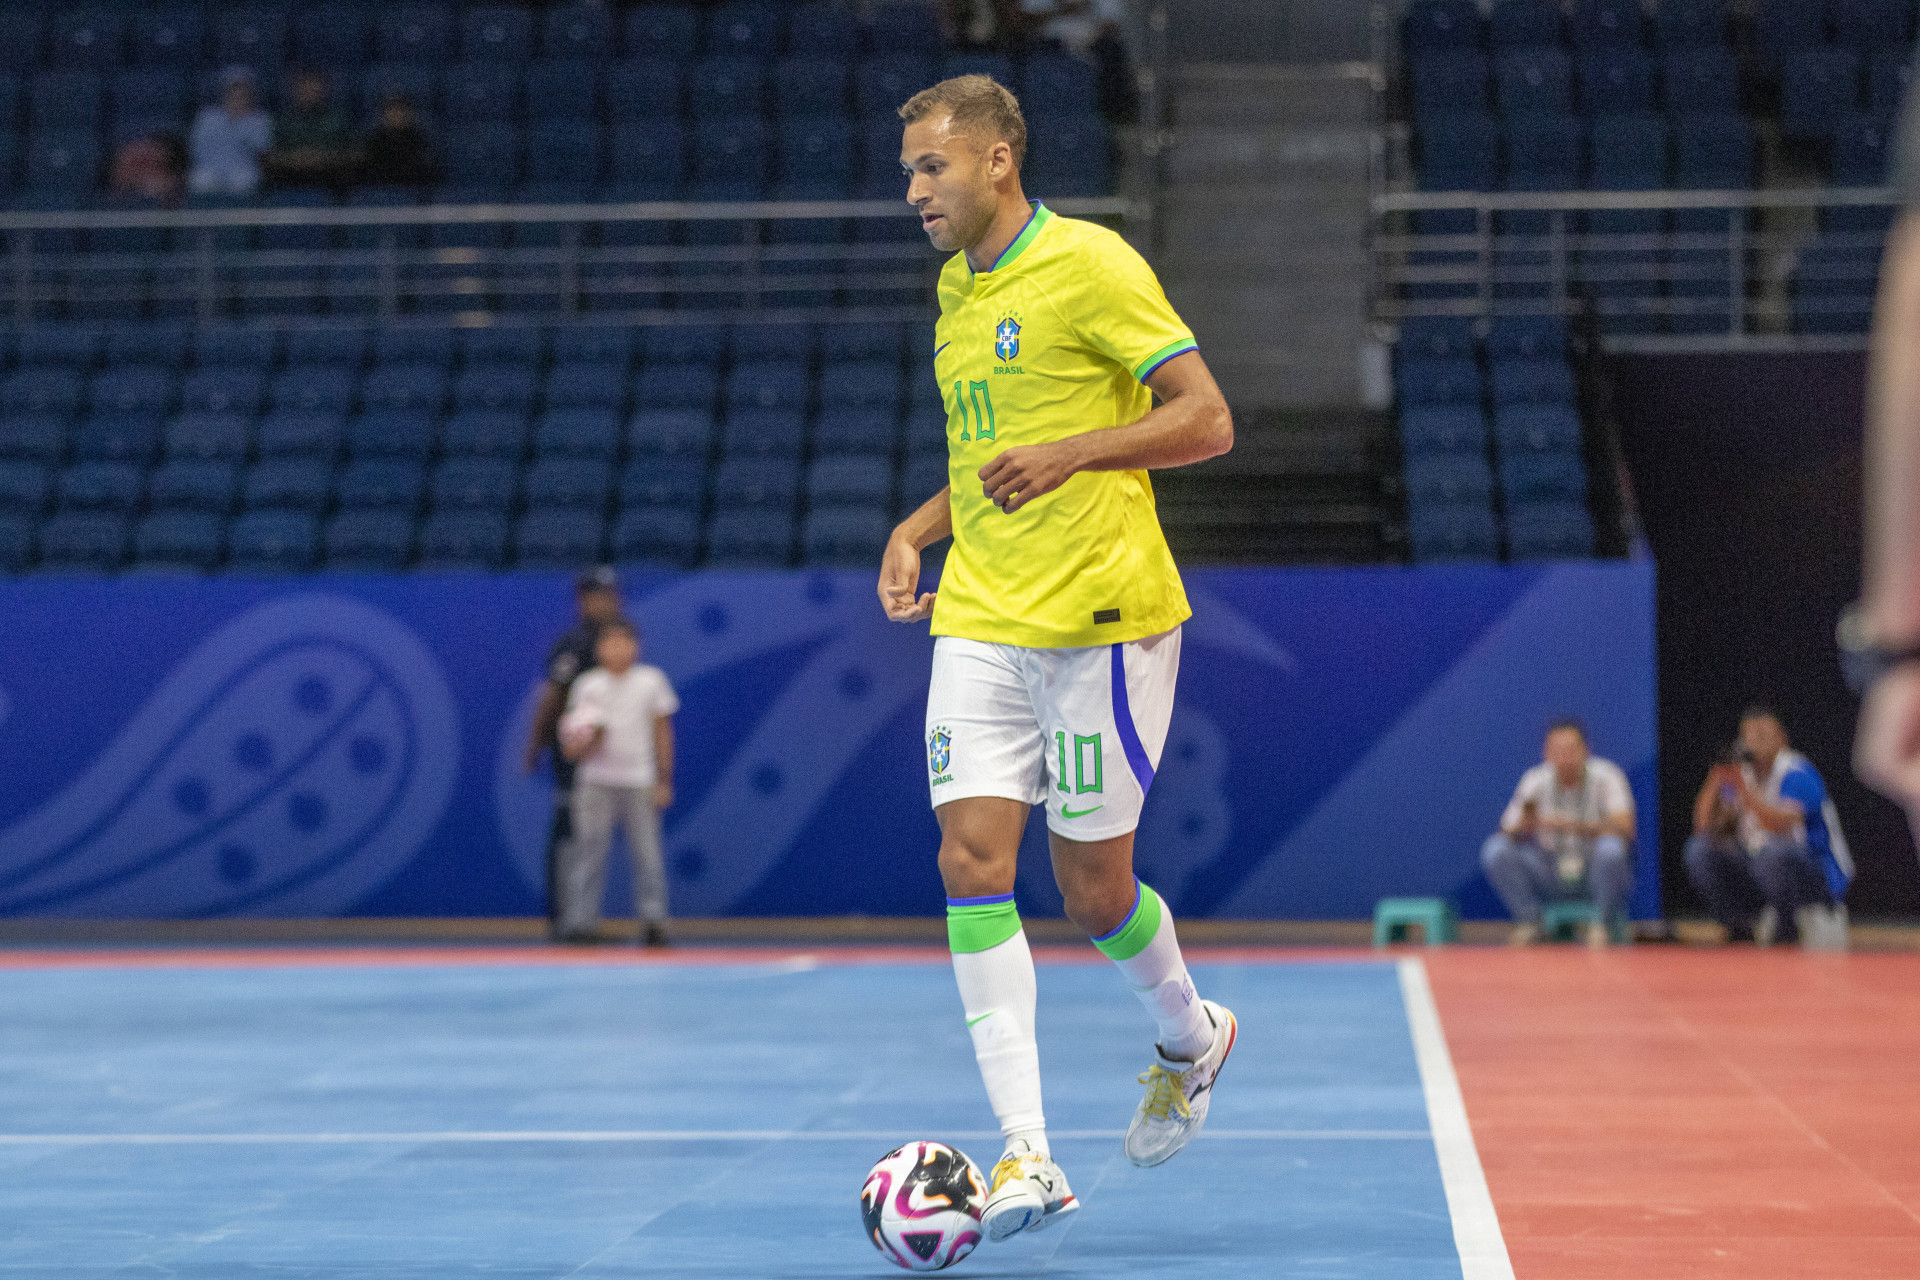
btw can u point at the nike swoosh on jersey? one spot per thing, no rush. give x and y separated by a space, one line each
1069 813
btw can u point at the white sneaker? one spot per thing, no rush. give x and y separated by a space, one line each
1028 1193
1178 1094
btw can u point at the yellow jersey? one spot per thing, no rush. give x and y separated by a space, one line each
1055 340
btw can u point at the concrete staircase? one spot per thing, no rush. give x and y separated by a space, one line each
1262 248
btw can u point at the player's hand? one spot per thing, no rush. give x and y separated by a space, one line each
663 795
1886 753
1025 472
900 583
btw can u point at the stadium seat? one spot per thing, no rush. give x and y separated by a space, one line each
768 384
1430 429
314 389
429 345
1869 24
657 535
750 537
1629 153
728 88
1691 24
1452 531
391 433
95 486
1616 80
133 389
209 434
180 539
63 162
222 347
564 151
1712 151
414 33
884 81
1818 87
463 540
1704 81
1521 381
194 484
494 387
1437 336
1606 23
295 433
1537 428
486 484
250 35
578 433
845 535
394 483
16 541
1549 530
167 35
649 164
593 344
1441 24
558 92
858 480
903 26
1069 158
1448 478
676 432
568 482
646 89
1530 337
332 34
24 486
821 28
1524 23
816 148
1458 151
558 538
84 540
1449 80
860 384
688 386
496 33
743 29
1889 73
292 483
1453 380
160 344
410 385
854 431
815 84
486 433
582 31
925 430
690 344
579 385
369 540
39 437
925 475
974 62
148 93
1543 475
483 152
229 389
1544 152
118 437
756 482
664 481
273 542
418 82
774 433
1862 153
1533 80
66 100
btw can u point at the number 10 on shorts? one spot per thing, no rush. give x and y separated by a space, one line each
1085 746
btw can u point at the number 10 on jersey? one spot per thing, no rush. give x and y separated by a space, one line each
979 398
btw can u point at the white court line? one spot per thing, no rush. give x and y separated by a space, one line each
1476 1227
652 1135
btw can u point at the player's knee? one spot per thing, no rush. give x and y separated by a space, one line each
1096 903
971 868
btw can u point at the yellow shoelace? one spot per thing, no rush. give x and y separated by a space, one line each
1164 1093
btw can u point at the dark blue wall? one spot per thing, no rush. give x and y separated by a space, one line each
351 746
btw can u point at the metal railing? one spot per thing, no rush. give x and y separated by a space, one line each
1697 269
650 263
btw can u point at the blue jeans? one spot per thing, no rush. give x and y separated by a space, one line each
1526 878
1736 884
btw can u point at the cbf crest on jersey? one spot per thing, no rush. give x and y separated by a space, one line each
1006 338
940 750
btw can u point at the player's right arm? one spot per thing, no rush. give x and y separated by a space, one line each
545 718
900 563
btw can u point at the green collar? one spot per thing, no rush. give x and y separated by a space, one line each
1039 218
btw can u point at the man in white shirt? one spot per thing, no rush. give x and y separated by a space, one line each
229 139
1567 833
619 728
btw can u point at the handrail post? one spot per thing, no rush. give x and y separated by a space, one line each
389 273
23 276
1737 271
1557 259
205 276
570 268
1484 226
750 239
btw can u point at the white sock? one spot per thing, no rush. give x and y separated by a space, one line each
1148 955
997 989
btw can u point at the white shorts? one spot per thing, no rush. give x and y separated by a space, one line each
1078 729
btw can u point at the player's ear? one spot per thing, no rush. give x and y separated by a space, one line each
999 160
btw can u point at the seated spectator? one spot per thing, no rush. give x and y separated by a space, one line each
229 139
1566 834
398 153
312 146
151 168
1090 29
1766 840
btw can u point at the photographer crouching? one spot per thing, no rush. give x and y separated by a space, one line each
1766 843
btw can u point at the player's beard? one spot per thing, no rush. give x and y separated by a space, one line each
964 223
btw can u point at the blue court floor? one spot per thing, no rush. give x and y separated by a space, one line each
699 1121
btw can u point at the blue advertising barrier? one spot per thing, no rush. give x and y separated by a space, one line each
352 746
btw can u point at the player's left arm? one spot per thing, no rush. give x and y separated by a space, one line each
1191 424
663 762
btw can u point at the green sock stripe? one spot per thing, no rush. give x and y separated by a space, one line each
979 926
1132 937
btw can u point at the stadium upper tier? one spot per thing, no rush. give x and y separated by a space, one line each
654 102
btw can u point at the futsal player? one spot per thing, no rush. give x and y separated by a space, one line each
1058 613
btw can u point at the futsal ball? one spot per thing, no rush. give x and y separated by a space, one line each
922 1205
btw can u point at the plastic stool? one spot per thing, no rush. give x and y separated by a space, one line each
1435 916
1562 918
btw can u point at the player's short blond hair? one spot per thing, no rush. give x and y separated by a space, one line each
979 105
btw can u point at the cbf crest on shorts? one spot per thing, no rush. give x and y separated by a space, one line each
1006 338
940 752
